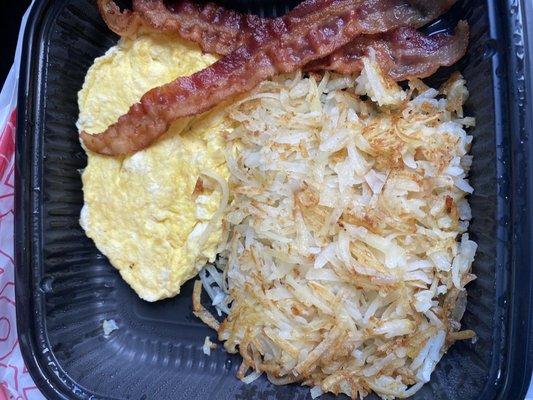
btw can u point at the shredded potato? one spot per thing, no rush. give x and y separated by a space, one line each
348 249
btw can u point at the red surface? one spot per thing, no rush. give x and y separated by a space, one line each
15 381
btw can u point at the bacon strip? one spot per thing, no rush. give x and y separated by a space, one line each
284 47
125 23
404 53
216 29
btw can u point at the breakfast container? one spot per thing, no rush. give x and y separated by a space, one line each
66 289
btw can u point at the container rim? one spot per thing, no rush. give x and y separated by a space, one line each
513 77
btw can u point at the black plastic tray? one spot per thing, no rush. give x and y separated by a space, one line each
65 288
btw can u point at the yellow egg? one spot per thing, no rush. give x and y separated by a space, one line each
142 211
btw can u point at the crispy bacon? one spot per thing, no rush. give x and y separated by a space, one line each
123 23
287 44
216 29
404 53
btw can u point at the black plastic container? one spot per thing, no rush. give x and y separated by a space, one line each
65 288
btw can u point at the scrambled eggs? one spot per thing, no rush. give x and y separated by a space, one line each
147 212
